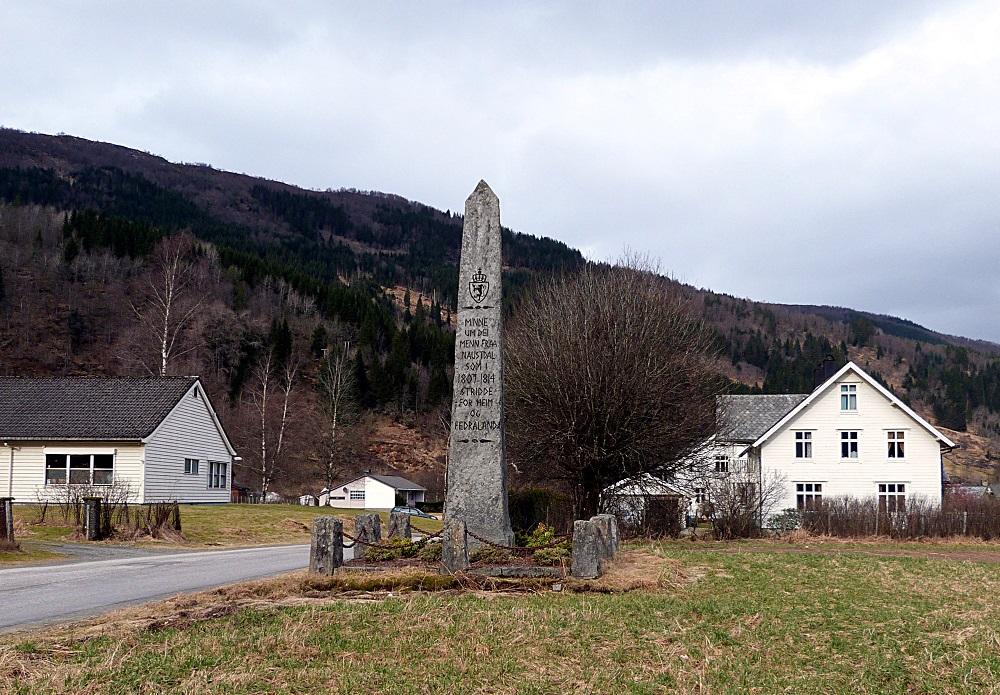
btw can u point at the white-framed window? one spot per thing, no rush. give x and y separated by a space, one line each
849 445
191 466
848 398
896 440
808 495
699 495
79 469
217 474
721 463
892 497
803 445
357 494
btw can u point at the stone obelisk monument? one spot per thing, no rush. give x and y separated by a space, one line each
477 467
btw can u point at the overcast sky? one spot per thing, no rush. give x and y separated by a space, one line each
841 153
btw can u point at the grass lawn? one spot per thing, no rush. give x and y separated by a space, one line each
29 553
224 525
760 622
264 524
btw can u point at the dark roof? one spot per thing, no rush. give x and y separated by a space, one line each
746 418
394 481
397 482
91 408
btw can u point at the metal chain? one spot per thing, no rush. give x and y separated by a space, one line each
557 541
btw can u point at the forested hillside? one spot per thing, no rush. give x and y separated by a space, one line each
284 277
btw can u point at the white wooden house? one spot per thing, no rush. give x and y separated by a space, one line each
372 491
850 437
158 439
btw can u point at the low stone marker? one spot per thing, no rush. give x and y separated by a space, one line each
367 531
399 526
7 519
607 526
595 543
454 546
326 552
92 518
586 562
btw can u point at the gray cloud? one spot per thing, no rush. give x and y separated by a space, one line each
837 153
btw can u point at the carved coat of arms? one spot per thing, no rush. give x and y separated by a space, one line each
478 286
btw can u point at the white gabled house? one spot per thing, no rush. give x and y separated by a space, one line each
373 491
851 437
159 438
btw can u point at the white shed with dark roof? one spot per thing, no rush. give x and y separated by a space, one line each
373 491
154 439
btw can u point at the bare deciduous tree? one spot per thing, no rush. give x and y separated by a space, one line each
271 395
339 405
609 376
170 303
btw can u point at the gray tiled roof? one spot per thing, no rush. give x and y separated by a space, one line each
745 418
397 482
92 408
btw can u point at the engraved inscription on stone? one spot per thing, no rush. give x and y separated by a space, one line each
477 468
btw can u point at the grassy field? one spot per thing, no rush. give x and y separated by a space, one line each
208 526
767 621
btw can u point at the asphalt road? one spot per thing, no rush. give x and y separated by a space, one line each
54 593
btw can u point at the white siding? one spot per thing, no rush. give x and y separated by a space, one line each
378 495
29 467
189 431
876 415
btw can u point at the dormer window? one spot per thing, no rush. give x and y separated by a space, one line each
848 398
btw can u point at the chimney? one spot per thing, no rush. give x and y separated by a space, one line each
824 370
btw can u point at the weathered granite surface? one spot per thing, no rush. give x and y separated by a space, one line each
454 546
399 526
587 550
525 571
326 552
368 528
477 468
607 527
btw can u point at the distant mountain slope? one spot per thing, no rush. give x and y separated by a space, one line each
352 253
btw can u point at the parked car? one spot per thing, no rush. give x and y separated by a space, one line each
413 511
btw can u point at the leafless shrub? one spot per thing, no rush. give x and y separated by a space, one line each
738 508
959 515
609 375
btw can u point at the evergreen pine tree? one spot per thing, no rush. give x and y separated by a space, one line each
318 342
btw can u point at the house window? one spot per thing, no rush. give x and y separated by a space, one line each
808 495
891 497
849 398
357 494
191 466
896 444
848 445
217 474
79 469
699 495
803 445
721 463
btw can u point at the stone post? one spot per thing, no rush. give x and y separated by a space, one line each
399 526
477 467
587 550
326 553
455 546
367 529
607 526
7 519
92 518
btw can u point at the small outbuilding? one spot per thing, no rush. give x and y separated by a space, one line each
373 491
